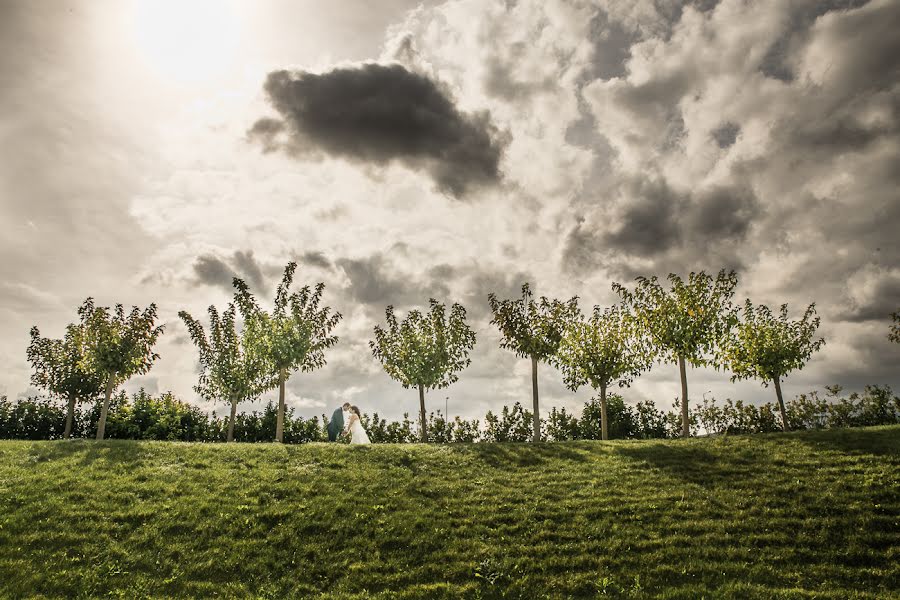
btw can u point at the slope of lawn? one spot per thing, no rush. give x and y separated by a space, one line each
797 515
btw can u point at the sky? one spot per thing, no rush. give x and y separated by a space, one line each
151 150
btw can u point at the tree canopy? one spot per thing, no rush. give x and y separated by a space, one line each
228 371
768 347
425 351
118 346
532 330
606 349
60 368
687 322
293 337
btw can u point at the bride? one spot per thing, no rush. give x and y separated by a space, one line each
358 435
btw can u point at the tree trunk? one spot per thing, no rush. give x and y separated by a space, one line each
536 437
234 404
101 426
604 420
784 420
424 433
279 420
70 417
685 416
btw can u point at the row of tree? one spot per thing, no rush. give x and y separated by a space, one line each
691 321
165 417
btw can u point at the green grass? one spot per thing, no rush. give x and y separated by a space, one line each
798 515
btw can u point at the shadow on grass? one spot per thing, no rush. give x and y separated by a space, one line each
880 441
689 463
86 452
524 455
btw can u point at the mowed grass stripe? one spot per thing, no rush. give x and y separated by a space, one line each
797 515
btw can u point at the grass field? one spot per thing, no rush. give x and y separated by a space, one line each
798 515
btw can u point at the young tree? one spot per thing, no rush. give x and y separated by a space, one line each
767 347
604 350
227 370
532 330
894 334
686 323
424 351
117 346
295 336
59 368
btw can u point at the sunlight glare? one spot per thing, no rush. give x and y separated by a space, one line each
187 41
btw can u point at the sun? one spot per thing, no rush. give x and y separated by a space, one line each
186 41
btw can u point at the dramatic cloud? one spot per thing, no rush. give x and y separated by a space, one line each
377 114
316 259
210 269
654 228
628 137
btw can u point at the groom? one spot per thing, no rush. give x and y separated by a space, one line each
336 424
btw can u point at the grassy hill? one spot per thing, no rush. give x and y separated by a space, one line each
798 515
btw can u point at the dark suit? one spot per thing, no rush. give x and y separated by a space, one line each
336 425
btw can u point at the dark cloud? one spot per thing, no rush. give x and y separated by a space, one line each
672 229
722 213
316 259
612 47
877 301
212 270
648 225
248 267
378 114
505 283
726 134
374 280
777 61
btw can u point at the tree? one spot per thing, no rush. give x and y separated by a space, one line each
227 370
117 346
59 368
767 347
894 334
532 330
686 323
424 351
604 350
295 336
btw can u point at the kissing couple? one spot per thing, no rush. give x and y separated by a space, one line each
345 421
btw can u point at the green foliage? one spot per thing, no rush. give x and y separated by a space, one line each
511 425
118 346
561 425
32 418
60 365
532 329
624 519
142 416
227 370
424 350
297 332
382 431
894 334
643 421
294 336
687 321
767 347
623 422
606 349
735 417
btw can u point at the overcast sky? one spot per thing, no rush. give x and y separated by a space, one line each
151 150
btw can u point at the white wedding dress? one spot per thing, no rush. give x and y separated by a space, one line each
358 435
